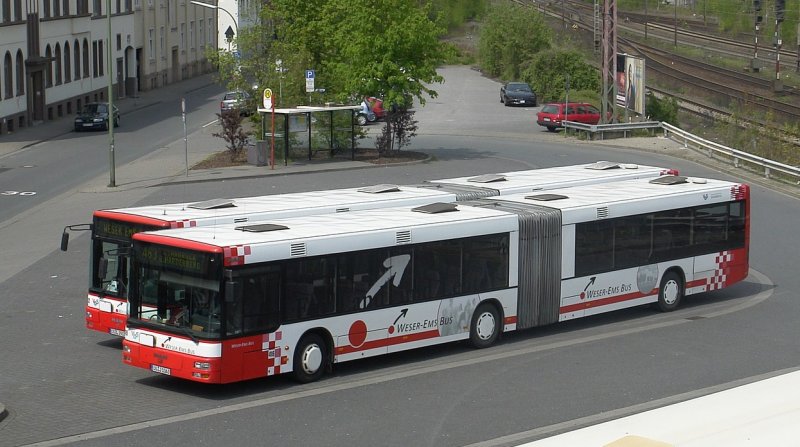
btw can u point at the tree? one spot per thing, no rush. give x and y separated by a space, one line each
232 132
399 129
511 36
384 48
548 70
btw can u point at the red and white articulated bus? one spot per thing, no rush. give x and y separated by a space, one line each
298 295
111 230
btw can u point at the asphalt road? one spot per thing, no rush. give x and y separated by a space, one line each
64 385
51 167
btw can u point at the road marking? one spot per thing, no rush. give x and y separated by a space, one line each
480 358
212 122
17 193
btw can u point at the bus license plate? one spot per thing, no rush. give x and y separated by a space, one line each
116 332
160 370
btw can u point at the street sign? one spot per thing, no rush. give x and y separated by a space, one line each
310 81
267 98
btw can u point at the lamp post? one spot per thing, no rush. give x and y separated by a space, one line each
210 6
110 122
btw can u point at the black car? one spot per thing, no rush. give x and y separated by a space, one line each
95 116
517 94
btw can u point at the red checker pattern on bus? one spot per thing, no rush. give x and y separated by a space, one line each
275 359
739 192
183 224
235 255
720 277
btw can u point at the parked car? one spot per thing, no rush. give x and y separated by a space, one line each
376 105
553 114
237 100
517 93
94 115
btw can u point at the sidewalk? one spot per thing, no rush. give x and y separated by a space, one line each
167 165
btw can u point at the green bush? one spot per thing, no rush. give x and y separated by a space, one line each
547 75
665 110
511 36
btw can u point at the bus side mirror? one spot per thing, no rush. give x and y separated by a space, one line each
64 240
65 234
102 267
230 291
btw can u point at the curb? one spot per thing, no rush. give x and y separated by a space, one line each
298 170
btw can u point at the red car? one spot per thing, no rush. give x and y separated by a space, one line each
552 114
376 105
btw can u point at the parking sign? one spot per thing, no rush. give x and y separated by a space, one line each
310 81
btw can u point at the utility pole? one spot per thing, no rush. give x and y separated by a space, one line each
780 9
609 59
755 64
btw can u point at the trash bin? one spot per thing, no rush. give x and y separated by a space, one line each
257 154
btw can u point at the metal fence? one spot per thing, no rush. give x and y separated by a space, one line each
768 168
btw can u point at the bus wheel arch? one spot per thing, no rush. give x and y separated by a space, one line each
486 324
312 356
671 290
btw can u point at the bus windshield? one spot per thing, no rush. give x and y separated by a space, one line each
177 288
110 242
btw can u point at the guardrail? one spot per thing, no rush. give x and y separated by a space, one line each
735 157
739 159
602 129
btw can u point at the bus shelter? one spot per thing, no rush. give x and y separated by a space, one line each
308 131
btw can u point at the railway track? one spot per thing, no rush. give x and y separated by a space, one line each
727 91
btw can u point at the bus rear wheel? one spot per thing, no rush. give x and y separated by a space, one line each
309 359
485 327
670 292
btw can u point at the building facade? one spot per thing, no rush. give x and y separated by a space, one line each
54 53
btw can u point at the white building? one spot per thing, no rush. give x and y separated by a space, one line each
53 53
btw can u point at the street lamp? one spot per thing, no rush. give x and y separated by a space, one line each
209 5
112 182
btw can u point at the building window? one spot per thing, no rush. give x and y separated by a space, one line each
58 64
46 12
191 34
201 30
101 57
119 6
98 8
48 74
85 58
17 10
94 59
77 56
67 66
151 51
6 10
65 7
161 43
119 42
8 70
20 74
56 9
183 36
210 32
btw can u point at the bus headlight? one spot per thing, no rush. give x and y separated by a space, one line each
126 348
202 365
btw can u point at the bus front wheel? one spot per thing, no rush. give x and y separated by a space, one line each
485 327
670 292
309 358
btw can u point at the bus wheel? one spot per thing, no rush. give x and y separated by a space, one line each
670 292
485 326
309 359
